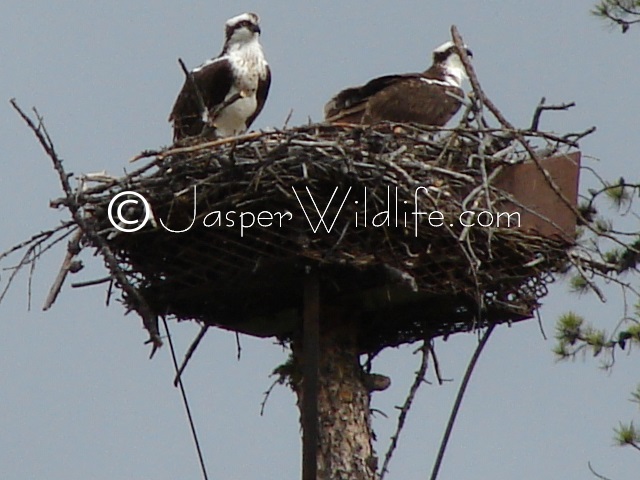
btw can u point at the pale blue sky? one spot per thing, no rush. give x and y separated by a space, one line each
79 397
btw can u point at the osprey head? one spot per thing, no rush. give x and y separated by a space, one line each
242 28
446 56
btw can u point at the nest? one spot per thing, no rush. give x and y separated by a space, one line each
393 251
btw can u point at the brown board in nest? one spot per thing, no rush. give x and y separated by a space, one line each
384 215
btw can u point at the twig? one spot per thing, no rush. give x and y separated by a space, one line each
601 477
542 107
263 404
190 353
436 363
417 382
37 238
204 112
194 148
458 401
73 249
473 79
238 347
91 283
540 326
185 402
286 120
149 319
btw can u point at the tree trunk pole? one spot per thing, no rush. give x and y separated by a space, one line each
342 421
311 340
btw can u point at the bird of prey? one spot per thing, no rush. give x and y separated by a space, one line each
428 98
225 94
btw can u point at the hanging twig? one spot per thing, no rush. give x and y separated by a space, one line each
185 401
458 401
601 477
238 347
436 363
404 410
73 248
190 353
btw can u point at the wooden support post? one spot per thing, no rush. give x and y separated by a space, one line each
311 349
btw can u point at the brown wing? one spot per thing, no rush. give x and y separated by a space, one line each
413 100
261 96
349 104
214 82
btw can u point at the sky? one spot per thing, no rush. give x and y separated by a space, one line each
79 396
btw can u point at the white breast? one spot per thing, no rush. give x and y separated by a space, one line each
233 119
249 65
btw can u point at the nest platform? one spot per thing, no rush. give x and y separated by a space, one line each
248 212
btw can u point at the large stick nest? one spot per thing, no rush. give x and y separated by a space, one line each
400 280
403 278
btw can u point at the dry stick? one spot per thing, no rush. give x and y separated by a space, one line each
189 354
214 143
458 402
601 477
91 283
204 112
238 347
542 107
192 81
417 382
436 363
33 244
200 146
26 259
266 394
72 251
473 79
185 401
149 319
36 239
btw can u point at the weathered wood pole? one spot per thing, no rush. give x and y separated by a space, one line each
340 420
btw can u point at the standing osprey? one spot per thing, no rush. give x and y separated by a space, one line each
233 86
427 98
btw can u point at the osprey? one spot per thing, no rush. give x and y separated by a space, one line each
233 86
428 98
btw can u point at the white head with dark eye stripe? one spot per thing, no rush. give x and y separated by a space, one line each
242 29
446 56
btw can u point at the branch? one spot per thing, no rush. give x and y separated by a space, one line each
473 79
542 107
618 12
149 318
417 382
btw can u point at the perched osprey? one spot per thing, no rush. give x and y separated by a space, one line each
233 86
426 98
